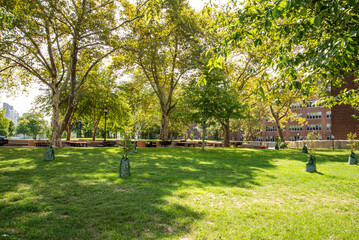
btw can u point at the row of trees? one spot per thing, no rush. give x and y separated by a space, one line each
228 66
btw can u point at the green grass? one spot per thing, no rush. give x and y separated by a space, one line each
177 193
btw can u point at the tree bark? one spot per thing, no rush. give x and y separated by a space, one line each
226 133
277 121
55 139
164 127
70 129
95 127
204 128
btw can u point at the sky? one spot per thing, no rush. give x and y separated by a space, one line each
22 102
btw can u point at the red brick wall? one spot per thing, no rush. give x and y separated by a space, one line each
342 115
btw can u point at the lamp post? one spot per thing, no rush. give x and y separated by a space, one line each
106 111
332 137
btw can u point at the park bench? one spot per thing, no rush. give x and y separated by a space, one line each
42 143
151 144
78 143
236 143
109 143
3 141
165 143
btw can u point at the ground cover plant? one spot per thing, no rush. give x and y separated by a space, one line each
177 193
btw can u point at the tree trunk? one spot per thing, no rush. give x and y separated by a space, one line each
70 129
204 128
226 133
280 133
164 127
95 127
56 137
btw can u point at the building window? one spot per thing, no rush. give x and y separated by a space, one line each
271 128
295 128
270 139
314 127
313 104
259 139
294 106
329 126
329 114
314 115
295 138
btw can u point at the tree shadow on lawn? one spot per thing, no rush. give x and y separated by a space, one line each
79 195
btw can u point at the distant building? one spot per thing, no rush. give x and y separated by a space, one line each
343 120
318 119
11 113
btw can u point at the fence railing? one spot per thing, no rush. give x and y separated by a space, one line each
318 144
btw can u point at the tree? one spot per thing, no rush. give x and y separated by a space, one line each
4 123
11 129
145 115
165 48
318 38
58 43
252 125
98 92
31 124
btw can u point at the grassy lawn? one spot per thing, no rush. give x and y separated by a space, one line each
177 193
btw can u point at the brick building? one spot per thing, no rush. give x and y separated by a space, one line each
318 119
343 121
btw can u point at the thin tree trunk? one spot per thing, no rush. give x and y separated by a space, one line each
204 128
95 127
226 133
55 139
70 129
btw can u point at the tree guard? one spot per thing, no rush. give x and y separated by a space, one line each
352 159
305 149
311 165
125 168
49 154
134 150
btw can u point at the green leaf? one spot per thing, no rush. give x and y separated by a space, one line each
317 21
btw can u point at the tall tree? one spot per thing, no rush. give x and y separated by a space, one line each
58 43
165 48
100 91
318 38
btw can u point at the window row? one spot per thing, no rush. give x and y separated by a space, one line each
295 128
271 128
313 104
314 115
314 127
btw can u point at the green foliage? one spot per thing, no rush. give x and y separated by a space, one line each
165 48
317 38
311 137
127 146
353 143
6 18
4 123
31 124
11 130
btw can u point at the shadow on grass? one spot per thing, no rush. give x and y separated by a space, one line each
79 195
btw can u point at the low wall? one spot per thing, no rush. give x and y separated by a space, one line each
337 144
